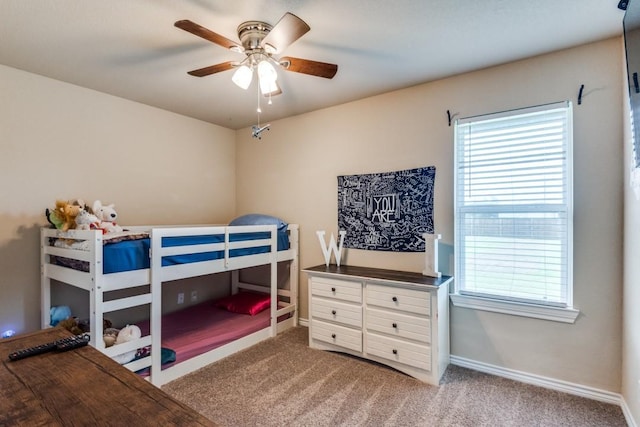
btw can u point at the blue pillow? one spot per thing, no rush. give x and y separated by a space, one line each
260 219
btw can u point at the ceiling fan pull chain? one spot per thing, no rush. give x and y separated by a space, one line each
259 110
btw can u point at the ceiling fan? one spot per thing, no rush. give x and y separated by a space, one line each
260 41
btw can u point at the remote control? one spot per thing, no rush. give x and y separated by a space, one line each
32 351
72 342
60 345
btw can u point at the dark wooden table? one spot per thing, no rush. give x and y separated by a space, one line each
81 387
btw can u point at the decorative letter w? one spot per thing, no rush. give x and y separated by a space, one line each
336 250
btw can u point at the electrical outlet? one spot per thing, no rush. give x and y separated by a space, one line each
194 296
181 298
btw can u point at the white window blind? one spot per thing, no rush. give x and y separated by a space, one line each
513 226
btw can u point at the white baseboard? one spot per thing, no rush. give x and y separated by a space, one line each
627 414
538 380
550 383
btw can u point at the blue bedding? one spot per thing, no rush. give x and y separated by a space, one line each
134 254
126 256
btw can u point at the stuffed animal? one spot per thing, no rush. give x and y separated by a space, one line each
64 214
54 218
126 334
79 202
58 313
69 214
110 336
107 216
87 221
85 324
71 325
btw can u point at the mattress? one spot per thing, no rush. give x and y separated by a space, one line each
203 327
126 256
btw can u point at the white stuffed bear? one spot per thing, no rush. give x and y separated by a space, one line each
86 221
107 216
126 334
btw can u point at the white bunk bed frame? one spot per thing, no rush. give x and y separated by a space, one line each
283 301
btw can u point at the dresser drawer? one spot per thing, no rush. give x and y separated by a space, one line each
329 309
398 324
416 355
409 300
339 289
337 335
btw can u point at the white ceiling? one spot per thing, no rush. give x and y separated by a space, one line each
131 49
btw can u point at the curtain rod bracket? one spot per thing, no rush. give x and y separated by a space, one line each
580 94
450 116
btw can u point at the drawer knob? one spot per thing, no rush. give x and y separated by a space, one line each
394 299
333 289
333 336
333 312
395 325
394 351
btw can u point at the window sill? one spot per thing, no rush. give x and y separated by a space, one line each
565 315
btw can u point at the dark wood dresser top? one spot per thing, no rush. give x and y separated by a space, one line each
391 276
81 387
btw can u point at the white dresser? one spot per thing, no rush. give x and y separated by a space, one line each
396 318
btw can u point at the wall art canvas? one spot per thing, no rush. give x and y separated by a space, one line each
387 211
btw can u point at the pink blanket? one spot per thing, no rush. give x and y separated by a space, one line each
203 327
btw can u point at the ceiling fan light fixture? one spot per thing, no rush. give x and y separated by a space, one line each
266 71
267 75
268 86
242 77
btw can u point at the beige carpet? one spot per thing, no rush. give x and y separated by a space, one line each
282 382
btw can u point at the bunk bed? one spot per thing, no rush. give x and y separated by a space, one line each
149 257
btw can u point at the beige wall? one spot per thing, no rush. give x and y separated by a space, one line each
631 290
62 141
191 173
292 173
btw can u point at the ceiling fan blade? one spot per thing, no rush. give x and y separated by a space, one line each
212 69
288 29
306 66
207 34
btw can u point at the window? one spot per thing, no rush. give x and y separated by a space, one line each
513 211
